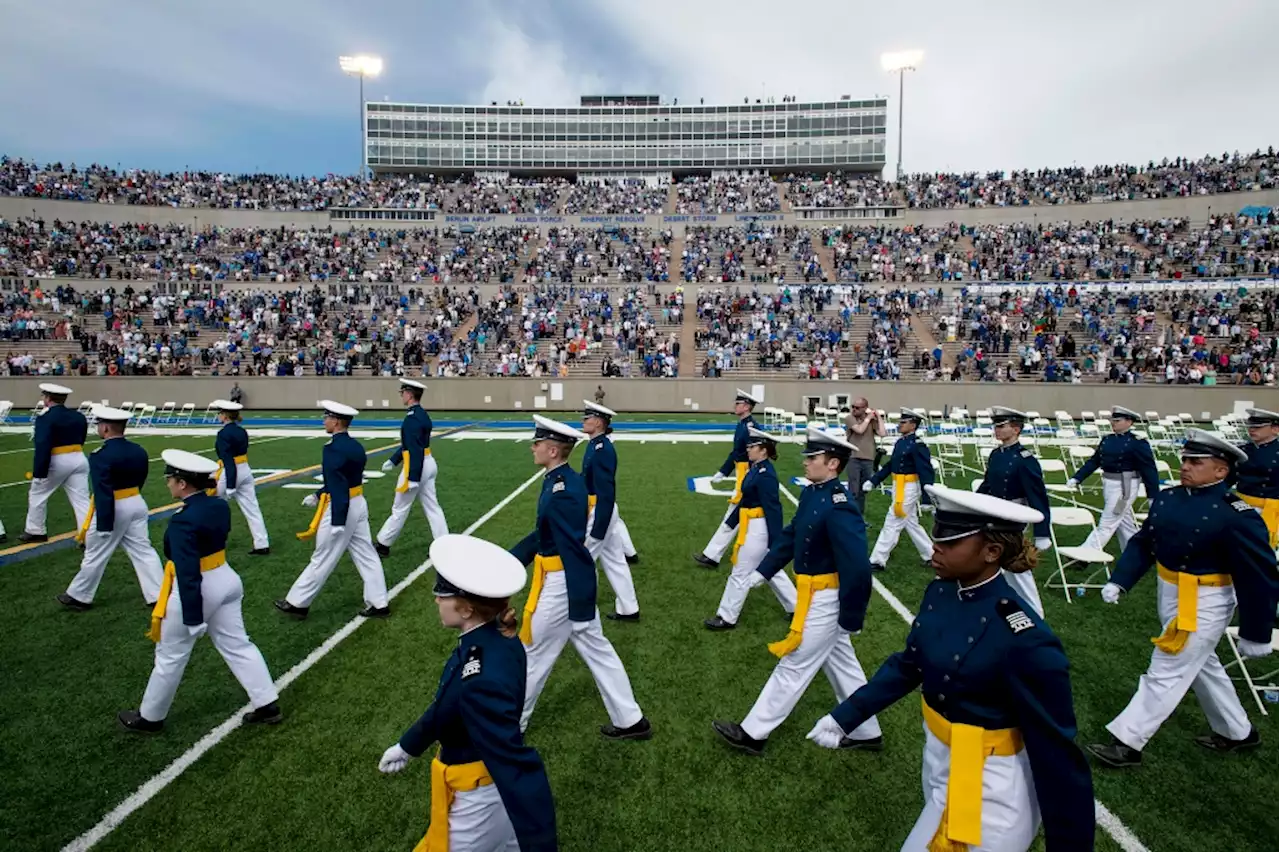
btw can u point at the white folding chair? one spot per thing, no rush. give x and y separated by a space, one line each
86 408
210 414
165 414
950 452
1088 416
1075 556
1255 687
38 410
5 407
184 416
146 415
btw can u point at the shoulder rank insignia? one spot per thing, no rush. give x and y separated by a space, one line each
559 486
1026 454
1241 506
1013 615
471 667
839 498
600 446
760 469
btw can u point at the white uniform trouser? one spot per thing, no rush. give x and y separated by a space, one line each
624 536
245 494
1197 667
893 526
1025 585
221 593
551 630
723 537
824 646
329 549
69 471
129 530
750 555
1117 517
425 494
1010 810
478 822
614 562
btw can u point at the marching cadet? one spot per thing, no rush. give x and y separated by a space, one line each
1255 478
117 514
1000 751
341 522
827 542
489 789
759 525
599 473
911 467
1125 460
234 477
59 462
561 606
1211 553
1013 473
418 481
735 465
209 594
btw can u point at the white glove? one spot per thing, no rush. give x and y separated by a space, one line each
826 733
718 477
926 508
387 465
1072 485
581 626
591 542
195 629
411 486
1111 593
1043 543
755 578
221 489
310 501
337 530
1250 649
393 759
867 486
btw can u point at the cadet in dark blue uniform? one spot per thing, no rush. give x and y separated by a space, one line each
735 465
1013 473
1211 553
417 481
58 462
604 524
1125 460
489 789
209 594
1000 751
826 542
759 525
341 522
1255 478
235 478
912 468
561 606
117 514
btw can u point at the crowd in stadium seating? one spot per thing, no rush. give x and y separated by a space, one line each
613 197
727 194
839 190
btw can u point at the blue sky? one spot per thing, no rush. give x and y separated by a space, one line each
254 86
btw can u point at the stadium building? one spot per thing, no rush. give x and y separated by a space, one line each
627 137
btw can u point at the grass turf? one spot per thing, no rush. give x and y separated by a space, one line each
312 782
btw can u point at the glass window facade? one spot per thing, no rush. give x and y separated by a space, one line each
847 135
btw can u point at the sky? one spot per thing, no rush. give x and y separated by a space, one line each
254 85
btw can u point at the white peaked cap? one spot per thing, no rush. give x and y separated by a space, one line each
589 407
546 424
476 566
338 408
189 462
226 405
56 390
111 415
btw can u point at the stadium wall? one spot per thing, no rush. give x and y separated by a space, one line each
502 396
1196 208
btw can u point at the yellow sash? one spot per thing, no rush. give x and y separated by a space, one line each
207 563
310 531
739 473
900 481
541 565
961 823
591 502
1179 629
806 585
1270 509
744 519
119 494
403 486
446 782
67 448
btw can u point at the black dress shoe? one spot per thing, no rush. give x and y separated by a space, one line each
382 549
30 538
372 611
623 616
876 566
268 714
289 609
633 559
260 551
641 730
871 744
71 603
132 720
4 537
702 560
1115 754
1219 743
736 737
718 623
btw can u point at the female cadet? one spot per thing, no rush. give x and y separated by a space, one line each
489 790
759 525
1000 751
234 478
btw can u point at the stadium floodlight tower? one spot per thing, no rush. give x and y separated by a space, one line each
900 63
361 65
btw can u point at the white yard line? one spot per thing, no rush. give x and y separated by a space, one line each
170 773
1110 823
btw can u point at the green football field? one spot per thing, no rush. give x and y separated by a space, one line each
312 782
